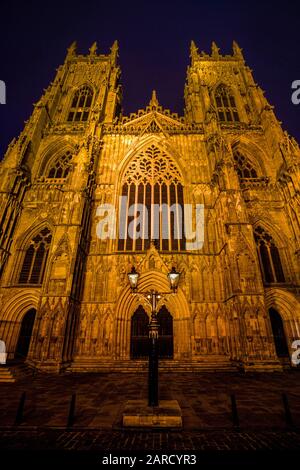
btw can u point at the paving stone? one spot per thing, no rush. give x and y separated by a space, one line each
204 400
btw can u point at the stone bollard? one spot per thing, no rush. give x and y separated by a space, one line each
19 415
234 411
71 416
287 411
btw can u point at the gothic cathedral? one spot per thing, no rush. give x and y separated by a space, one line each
65 300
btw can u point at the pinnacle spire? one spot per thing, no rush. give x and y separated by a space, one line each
71 51
114 51
115 47
153 103
237 51
93 48
193 51
215 50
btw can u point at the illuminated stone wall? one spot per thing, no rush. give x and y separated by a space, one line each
240 165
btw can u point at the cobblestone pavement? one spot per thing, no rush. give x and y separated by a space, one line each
204 400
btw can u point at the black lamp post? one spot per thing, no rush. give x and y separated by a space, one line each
152 297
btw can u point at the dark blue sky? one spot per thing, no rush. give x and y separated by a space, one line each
154 39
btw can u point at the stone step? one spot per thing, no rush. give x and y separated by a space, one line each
22 371
164 366
6 375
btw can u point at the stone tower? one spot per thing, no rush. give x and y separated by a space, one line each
65 298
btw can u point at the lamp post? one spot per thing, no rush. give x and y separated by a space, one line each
152 297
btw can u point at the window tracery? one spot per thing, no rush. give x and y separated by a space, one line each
61 167
269 257
35 259
81 104
226 105
152 181
243 166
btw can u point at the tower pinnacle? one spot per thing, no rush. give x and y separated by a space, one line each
237 51
114 52
215 50
153 103
93 48
71 51
193 52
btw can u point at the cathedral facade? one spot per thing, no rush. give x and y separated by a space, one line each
65 299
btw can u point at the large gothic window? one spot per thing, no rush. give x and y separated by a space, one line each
243 167
81 104
226 106
35 258
152 204
60 167
268 256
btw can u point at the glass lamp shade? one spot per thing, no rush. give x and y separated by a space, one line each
133 278
173 277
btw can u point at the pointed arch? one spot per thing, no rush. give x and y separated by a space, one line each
264 219
268 255
13 312
252 152
53 152
281 240
17 305
81 103
33 255
177 305
163 145
60 167
32 230
151 181
153 163
287 305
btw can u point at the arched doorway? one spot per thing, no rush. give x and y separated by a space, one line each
139 343
165 333
281 346
25 334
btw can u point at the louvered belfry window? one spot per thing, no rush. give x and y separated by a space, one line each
152 181
35 258
269 257
81 104
226 105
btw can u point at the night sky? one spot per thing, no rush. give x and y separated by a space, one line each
154 39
